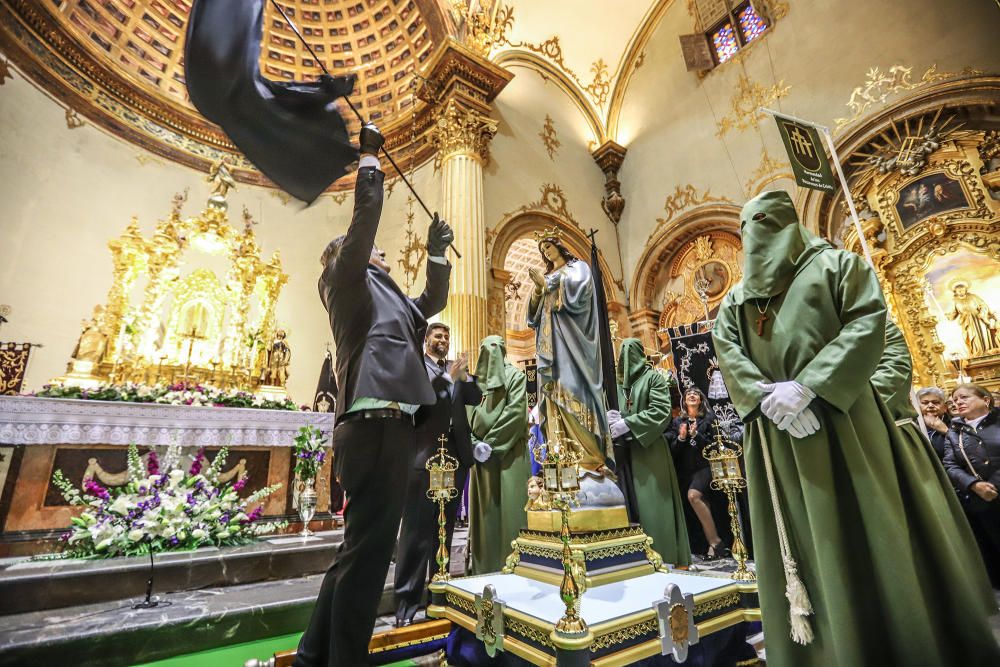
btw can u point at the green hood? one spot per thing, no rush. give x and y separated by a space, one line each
492 362
631 362
775 245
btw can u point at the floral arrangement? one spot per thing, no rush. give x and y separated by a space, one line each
162 507
174 394
310 452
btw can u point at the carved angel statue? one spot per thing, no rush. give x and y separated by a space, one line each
221 178
538 497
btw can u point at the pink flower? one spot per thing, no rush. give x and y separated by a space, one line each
152 464
92 488
239 484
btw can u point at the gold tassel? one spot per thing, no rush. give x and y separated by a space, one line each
799 606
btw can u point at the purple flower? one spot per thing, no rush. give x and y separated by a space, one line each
174 541
224 518
253 516
152 463
92 488
196 464
239 484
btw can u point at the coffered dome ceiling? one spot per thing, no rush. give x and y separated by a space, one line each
120 63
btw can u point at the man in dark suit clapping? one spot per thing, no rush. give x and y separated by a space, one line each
382 381
418 541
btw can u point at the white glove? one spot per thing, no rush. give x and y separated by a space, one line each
481 451
619 428
614 416
784 401
802 425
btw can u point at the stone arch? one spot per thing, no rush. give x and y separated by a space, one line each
663 248
523 224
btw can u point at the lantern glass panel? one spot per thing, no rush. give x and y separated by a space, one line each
551 480
733 467
449 479
569 479
437 479
718 472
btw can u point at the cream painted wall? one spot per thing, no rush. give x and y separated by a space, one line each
520 164
822 49
66 193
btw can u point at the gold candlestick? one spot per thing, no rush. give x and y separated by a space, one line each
442 469
723 458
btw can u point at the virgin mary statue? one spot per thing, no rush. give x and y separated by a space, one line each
562 311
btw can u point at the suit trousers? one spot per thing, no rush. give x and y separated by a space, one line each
418 541
373 460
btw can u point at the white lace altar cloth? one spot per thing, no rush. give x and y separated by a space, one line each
29 420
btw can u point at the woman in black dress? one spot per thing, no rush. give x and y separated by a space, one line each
689 435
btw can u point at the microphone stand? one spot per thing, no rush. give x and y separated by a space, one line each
150 602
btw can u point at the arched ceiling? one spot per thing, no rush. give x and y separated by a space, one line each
522 255
120 62
381 41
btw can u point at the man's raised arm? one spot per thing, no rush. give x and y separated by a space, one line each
352 261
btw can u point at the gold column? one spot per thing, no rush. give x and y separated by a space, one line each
461 84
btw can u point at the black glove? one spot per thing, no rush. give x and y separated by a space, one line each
438 237
371 139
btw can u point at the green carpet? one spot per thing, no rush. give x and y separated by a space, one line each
237 654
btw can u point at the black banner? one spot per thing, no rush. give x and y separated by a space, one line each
697 366
13 363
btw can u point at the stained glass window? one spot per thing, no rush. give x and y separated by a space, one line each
724 42
751 23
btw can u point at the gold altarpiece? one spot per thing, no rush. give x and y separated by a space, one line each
193 303
929 191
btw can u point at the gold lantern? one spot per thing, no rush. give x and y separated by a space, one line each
723 460
560 461
442 469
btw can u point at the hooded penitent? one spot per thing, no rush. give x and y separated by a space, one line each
775 245
866 513
644 399
499 485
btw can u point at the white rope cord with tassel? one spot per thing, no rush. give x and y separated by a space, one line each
799 606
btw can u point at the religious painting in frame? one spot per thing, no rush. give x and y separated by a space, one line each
963 295
928 196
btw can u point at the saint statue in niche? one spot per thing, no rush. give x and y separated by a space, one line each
93 341
979 324
279 357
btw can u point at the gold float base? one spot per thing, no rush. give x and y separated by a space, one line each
585 520
272 393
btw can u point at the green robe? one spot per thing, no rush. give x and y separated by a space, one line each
862 506
498 490
646 410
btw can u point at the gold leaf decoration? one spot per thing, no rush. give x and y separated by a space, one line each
413 251
687 197
548 135
881 84
73 121
744 105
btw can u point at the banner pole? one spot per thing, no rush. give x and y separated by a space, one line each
840 174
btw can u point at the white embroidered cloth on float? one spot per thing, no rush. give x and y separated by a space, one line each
29 420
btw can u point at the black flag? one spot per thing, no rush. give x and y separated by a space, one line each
325 401
291 131
326 387
623 456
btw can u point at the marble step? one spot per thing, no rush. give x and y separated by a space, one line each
107 635
27 586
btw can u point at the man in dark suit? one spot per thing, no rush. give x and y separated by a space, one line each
418 540
381 382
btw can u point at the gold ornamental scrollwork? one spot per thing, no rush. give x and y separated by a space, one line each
684 198
460 130
715 604
549 138
750 96
881 84
612 639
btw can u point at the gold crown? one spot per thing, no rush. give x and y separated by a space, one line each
550 233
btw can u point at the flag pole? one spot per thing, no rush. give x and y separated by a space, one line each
357 113
840 174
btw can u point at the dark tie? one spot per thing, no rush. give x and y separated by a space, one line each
441 364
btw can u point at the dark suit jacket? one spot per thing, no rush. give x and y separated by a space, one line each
433 420
982 447
378 330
